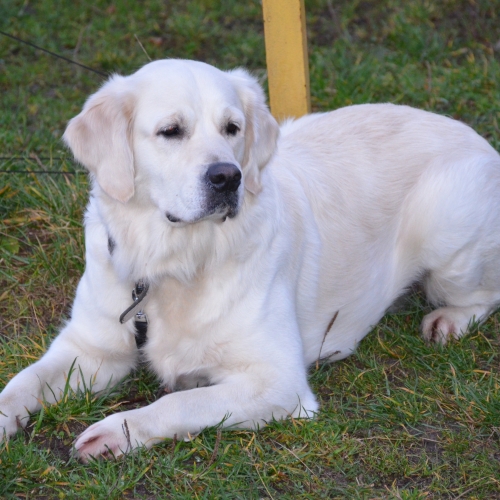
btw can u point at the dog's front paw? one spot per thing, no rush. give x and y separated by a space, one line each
11 420
111 437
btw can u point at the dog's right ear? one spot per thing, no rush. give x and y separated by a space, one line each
261 132
99 138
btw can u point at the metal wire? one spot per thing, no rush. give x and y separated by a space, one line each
53 54
50 172
45 158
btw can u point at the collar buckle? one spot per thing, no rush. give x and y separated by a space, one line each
136 309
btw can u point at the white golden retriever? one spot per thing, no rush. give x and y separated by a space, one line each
247 240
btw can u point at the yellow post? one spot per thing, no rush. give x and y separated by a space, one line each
286 56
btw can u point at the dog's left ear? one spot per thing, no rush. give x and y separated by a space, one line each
99 138
261 129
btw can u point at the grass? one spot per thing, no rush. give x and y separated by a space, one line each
399 419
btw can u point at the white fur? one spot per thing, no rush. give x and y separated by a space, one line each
351 208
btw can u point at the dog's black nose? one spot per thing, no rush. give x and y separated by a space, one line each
223 177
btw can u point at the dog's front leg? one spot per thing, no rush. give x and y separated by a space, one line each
94 350
67 359
243 400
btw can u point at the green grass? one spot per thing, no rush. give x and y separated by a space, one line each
399 419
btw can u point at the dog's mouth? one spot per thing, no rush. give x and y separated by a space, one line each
218 213
172 218
221 209
224 210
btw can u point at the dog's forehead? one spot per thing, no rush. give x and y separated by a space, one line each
172 85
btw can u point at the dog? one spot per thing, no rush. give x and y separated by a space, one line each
254 250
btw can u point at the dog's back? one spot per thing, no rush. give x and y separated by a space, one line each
383 224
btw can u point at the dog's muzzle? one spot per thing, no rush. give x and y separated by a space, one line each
222 181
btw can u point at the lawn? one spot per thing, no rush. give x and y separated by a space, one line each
399 418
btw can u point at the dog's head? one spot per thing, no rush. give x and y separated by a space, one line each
181 134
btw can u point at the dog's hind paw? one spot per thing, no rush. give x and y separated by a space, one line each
449 322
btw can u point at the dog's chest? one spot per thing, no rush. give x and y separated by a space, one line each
188 338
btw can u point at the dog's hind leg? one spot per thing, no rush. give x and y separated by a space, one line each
468 293
463 251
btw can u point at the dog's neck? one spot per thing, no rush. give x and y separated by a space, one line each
147 247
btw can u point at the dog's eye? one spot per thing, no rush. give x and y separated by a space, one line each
171 131
232 128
